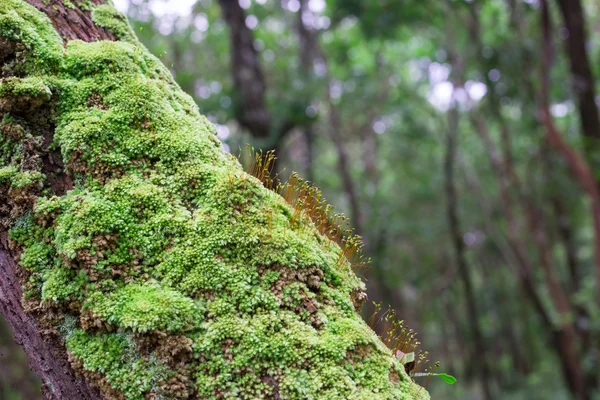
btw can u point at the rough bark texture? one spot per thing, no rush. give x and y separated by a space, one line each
136 254
46 353
73 21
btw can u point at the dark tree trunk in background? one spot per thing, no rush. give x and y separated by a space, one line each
565 335
19 378
460 257
247 74
583 82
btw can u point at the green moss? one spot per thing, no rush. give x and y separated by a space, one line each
141 308
114 356
107 17
23 23
34 87
17 179
164 234
62 284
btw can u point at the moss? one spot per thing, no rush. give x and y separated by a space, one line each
23 23
33 87
115 358
17 179
165 235
115 22
61 284
141 308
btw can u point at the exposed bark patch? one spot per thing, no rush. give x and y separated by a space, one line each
394 377
178 387
274 384
73 22
359 353
173 350
311 278
358 297
10 53
23 103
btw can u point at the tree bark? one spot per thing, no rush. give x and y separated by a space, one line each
46 352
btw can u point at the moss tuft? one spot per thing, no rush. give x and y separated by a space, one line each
107 17
143 308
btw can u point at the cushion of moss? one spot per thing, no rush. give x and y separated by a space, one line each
144 307
165 232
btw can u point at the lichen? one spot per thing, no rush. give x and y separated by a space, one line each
165 239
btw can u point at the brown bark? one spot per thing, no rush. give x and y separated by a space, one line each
580 169
72 22
47 356
583 82
46 352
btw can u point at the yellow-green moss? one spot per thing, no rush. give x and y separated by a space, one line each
107 17
164 234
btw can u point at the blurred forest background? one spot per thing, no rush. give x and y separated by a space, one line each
462 138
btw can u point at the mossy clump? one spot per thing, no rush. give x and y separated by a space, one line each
164 239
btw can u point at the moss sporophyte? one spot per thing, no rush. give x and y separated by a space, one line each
169 271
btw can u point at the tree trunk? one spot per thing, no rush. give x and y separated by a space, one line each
137 260
459 248
247 73
582 77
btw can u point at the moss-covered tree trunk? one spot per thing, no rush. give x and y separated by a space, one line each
137 260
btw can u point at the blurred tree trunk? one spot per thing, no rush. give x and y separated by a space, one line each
566 336
471 311
307 42
310 50
250 100
249 80
582 78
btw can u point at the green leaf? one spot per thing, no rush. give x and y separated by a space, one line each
449 379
